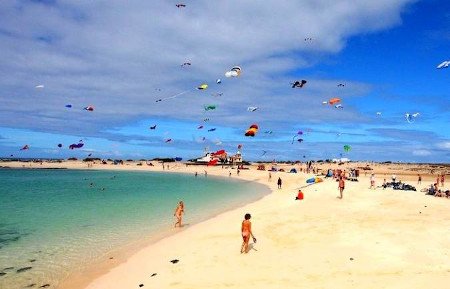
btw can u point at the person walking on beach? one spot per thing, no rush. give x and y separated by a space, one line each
246 230
179 211
341 187
442 180
419 179
270 176
279 182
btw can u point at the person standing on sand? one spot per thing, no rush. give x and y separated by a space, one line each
442 180
246 230
341 187
270 176
372 181
419 179
279 182
179 211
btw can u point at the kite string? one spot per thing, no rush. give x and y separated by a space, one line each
176 95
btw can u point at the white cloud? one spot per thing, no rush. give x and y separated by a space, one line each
422 153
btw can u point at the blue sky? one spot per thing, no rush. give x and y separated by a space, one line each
122 57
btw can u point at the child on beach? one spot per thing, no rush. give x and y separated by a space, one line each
341 187
179 211
246 230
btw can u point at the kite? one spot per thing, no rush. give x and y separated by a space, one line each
206 119
233 72
168 140
185 64
252 108
25 147
347 148
341 85
212 129
314 180
89 154
299 84
334 101
40 86
153 127
444 64
268 132
202 86
263 154
89 108
173 96
76 145
212 162
339 106
324 102
218 81
200 127
411 117
296 136
180 5
378 113
308 39
60 145
210 107
252 130
68 106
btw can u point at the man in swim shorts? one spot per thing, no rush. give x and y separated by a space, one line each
341 187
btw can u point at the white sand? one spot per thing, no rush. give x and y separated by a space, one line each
396 239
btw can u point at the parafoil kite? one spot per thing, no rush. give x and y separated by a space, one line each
444 64
212 129
153 127
298 83
206 119
252 130
68 106
411 117
341 85
252 108
334 101
168 140
314 180
25 147
218 81
299 133
338 106
378 113
210 107
89 108
186 64
347 148
180 5
233 72
76 145
202 86
268 132
40 86
60 145
200 127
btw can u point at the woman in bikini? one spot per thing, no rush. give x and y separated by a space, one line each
246 230
179 211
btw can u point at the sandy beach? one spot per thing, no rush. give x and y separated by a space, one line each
369 239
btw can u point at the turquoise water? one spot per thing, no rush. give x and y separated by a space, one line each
56 221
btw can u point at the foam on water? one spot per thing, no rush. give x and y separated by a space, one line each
57 220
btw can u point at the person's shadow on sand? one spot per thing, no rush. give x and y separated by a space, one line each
251 247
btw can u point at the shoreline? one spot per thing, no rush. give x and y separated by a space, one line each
280 227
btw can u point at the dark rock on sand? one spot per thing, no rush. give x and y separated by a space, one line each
2 274
23 269
174 261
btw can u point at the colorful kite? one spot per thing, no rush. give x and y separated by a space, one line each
252 130
233 72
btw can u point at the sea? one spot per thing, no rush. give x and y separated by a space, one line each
55 222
